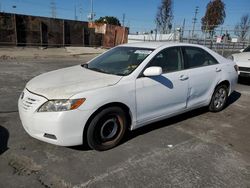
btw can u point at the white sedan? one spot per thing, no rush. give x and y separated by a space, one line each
243 61
127 87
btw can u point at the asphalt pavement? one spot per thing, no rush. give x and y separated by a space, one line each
195 149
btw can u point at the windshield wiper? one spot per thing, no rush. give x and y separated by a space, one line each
98 70
85 65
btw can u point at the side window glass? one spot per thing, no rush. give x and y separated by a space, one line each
210 60
168 59
196 57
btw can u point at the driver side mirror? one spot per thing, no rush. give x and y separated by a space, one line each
153 71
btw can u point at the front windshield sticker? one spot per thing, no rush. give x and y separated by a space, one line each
145 52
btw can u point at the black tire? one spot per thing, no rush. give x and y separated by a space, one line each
219 98
107 128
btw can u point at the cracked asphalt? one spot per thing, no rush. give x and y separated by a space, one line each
196 149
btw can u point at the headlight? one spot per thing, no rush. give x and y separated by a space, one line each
61 105
231 57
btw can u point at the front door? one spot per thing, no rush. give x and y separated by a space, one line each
162 95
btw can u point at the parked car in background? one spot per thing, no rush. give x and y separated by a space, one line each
127 87
243 61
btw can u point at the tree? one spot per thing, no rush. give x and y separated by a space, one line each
241 29
215 15
164 16
108 20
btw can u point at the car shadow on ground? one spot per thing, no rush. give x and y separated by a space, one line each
164 123
244 81
176 119
4 137
233 98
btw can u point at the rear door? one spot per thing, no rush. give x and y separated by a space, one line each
204 74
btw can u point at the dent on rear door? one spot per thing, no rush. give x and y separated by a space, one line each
201 84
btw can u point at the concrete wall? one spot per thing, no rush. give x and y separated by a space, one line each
111 35
23 30
7 29
75 33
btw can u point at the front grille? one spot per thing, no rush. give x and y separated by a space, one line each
28 103
247 69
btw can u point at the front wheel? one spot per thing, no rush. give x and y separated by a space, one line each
107 129
219 98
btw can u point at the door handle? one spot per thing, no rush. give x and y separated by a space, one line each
183 77
218 69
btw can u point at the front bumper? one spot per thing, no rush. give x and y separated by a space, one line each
244 71
59 128
244 74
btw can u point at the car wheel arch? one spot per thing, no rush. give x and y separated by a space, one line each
113 104
224 82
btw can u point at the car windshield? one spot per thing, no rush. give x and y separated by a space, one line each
119 61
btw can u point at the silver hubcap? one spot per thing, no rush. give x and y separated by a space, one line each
109 129
220 98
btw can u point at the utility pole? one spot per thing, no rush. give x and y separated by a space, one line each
81 11
1 6
195 19
75 13
53 8
91 16
183 29
123 19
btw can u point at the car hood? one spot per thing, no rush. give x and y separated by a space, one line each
64 83
242 59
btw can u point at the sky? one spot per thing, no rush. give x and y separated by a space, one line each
139 14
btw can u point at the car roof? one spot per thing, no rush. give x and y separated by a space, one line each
155 45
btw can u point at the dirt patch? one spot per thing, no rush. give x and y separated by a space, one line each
53 181
6 58
23 165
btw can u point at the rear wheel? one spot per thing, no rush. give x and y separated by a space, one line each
219 98
107 129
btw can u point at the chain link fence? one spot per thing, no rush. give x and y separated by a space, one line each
223 41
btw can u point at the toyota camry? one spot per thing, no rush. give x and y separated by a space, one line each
125 88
